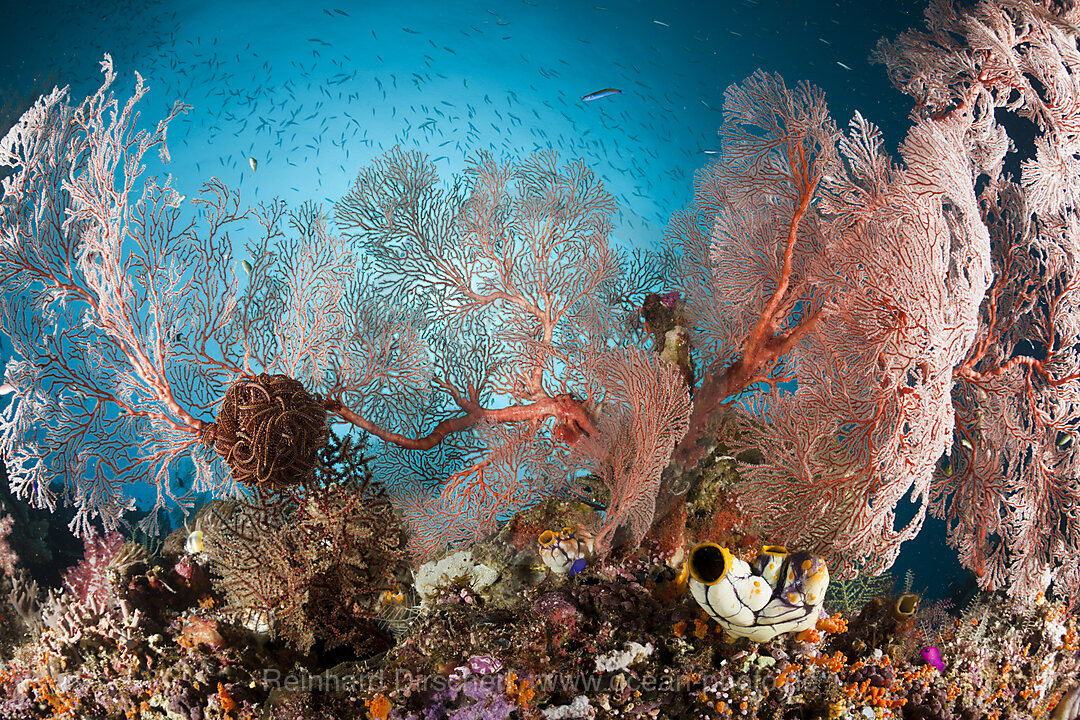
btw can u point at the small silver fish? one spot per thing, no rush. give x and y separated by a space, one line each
253 163
600 94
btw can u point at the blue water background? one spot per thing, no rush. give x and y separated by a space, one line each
314 91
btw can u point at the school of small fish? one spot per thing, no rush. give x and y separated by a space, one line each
333 87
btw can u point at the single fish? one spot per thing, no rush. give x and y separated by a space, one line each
661 23
253 163
932 656
846 67
194 544
600 94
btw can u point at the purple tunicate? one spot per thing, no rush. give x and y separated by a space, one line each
933 657
485 664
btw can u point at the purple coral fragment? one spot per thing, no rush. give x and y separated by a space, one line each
670 299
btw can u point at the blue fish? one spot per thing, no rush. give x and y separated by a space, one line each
577 567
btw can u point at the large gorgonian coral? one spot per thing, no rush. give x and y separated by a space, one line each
269 431
490 301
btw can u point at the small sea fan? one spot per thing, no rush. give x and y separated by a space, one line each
269 431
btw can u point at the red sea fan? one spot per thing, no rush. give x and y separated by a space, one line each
645 411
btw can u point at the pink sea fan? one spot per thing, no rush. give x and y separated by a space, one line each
89 579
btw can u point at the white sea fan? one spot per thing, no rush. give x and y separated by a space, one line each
1052 178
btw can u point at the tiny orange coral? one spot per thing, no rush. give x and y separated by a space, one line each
379 707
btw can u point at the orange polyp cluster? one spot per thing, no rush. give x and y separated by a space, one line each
924 674
834 662
834 624
521 691
228 704
990 692
200 631
379 707
1002 685
1048 705
787 674
1070 640
60 703
873 695
139 710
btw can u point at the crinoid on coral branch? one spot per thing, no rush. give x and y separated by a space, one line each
269 430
